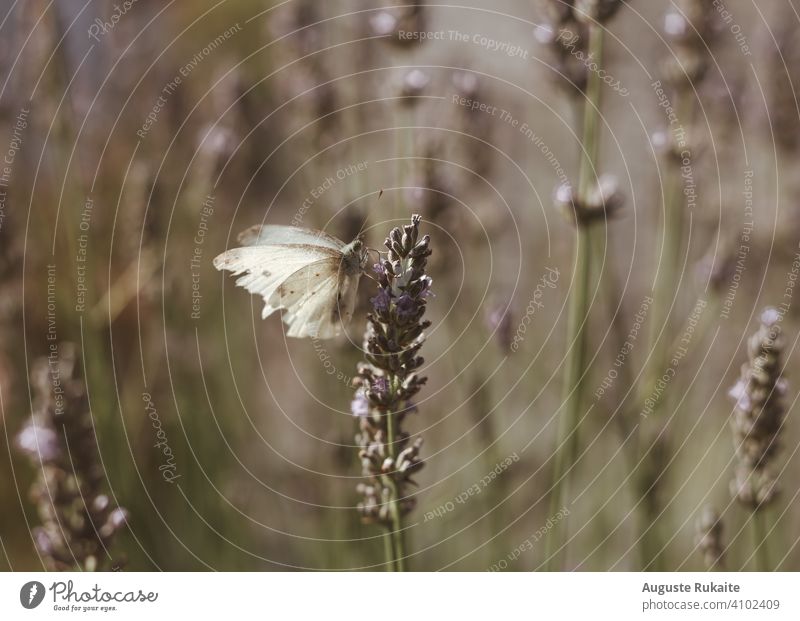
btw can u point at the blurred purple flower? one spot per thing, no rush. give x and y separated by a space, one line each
380 386
359 406
381 301
406 306
39 442
42 540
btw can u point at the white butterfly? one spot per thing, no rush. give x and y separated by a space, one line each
311 275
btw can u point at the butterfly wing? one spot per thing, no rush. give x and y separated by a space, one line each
348 288
270 234
264 268
318 299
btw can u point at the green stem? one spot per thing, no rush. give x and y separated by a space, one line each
760 541
651 549
672 230
664 287
567 444
567 447
650 545
388 551
396 528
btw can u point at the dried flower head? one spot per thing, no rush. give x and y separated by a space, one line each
709 538
388 381
603 200
396 24
667 145
413 85
566 39
759 414
78 521
691 28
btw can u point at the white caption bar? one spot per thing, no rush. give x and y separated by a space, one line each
333 596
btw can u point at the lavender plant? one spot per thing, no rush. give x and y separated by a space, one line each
78 520
709 538
689 29
387 383
395 22
757 424
562 34
594 201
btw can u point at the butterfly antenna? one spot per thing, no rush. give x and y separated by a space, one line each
366 217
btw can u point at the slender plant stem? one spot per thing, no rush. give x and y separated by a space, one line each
664 287
567 446
670 261
760 541
396 529
651 548
388 551
626 417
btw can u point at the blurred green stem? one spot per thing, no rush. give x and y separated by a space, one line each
567 442
669 260
388 551
760 541
396 529
665 296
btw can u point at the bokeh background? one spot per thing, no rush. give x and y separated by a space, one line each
121 184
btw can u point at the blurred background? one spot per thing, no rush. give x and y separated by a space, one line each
139 138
